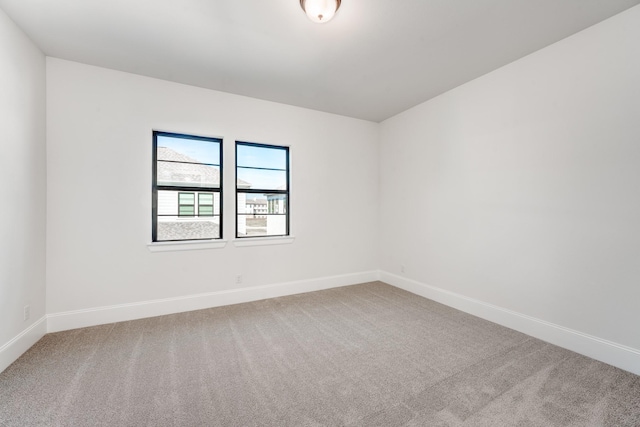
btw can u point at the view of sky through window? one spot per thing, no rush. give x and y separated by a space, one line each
261 157
262 167
200 151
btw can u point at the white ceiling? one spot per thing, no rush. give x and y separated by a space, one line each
374 60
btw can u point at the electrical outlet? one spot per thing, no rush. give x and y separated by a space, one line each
402 269
238 279
27 312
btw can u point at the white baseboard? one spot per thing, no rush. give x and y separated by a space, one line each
22 342
618 355
117 313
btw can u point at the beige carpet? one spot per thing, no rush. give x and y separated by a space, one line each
364 355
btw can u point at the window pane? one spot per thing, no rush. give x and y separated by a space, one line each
168 202
180 174
186 198
205 210
261 157
262 179
171 228
267 225
188 150
187 210
205 198
262 214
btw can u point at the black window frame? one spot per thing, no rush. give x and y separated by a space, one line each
286 192
185 188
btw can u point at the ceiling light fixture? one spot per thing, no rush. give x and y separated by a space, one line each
320 11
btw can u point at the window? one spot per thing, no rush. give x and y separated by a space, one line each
262 190
187 187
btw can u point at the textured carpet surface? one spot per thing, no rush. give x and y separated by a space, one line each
364 355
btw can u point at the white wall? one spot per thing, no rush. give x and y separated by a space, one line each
23 191
521 189
99 190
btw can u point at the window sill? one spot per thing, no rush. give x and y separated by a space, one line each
263 241
185 246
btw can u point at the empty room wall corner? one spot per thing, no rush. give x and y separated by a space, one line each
23 173
514 196
22 342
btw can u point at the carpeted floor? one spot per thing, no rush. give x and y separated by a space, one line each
364 355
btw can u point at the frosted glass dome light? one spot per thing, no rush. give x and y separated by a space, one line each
320 11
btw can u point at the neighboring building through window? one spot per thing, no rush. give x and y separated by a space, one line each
187 187
262 190
256 208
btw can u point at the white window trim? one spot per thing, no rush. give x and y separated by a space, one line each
186 245
263 241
